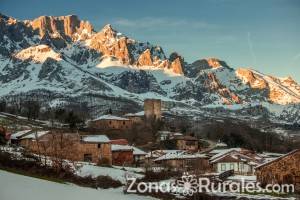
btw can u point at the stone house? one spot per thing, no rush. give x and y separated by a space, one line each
122 155
186 142
95 148
282 170
127 155
110 122
71 146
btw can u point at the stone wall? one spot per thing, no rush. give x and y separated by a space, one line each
285 170
112 124
136 119
122 158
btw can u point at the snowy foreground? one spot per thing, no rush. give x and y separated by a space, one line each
18 187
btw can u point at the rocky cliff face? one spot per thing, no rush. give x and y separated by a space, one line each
281 91
251 78
67 27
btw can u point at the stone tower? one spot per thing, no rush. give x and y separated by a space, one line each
152 108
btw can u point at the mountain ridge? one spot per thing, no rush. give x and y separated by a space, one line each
66 55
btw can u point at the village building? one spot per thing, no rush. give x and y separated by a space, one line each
30 139
71 146
111 122
282 170
136 118
186 142
269 156
122 155
151 156
15 137
127 155
241 164
139 156
94 148
168 135
182 161
152 109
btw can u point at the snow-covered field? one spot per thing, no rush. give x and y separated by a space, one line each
114 172
18 187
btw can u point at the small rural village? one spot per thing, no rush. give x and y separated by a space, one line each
169 156
149 100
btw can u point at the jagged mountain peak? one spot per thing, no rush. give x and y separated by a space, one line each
208 63
108 28
66 26
108 31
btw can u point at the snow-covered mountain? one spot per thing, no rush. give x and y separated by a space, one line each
63 59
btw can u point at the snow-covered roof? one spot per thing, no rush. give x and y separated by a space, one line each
221 144
277 159
137 151
110 117
117 147
270 155
180 155
235 155
242 177
160 152
138 114
95 138
221 152
170 133
18 134
35 135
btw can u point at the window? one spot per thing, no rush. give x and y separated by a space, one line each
99 146
109 122
123 123
223 167
87 158
231 166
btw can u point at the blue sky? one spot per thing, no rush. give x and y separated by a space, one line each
261 34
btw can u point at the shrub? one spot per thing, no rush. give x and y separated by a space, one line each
107 182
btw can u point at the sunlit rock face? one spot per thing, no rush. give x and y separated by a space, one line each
68 57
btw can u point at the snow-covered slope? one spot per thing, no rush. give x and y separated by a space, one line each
18 187
64 59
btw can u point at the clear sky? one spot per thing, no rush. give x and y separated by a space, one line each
261 34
